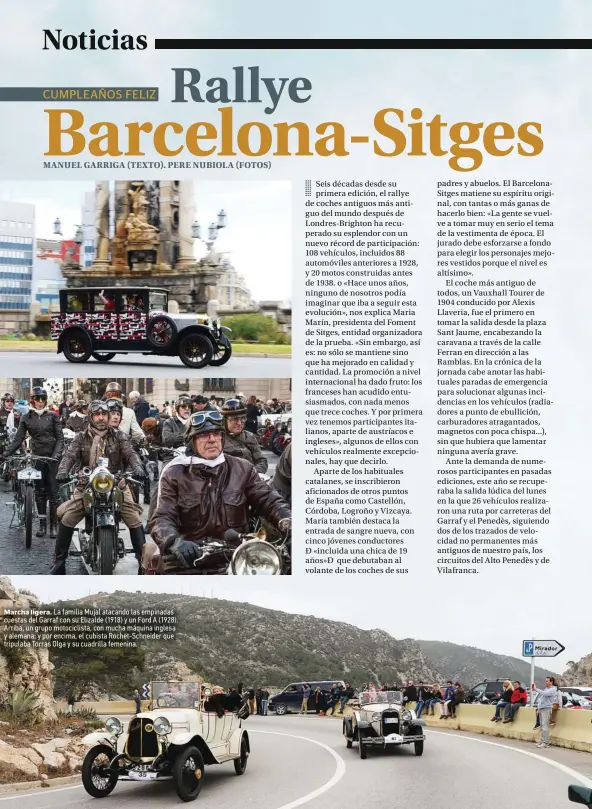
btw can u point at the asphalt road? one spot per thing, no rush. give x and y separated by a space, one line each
42 364
17 560
303 760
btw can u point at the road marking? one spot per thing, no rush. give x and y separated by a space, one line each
587 782
335 778
41 791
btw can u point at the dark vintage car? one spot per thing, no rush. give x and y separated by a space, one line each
100 323
383 721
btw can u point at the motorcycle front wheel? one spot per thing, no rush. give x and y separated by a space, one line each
105 550
28 516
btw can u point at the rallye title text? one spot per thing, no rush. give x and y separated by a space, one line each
394 132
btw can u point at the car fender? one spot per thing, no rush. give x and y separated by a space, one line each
235 741
74 326
199 328
182 739
363 725
417 723
225 328
98 737
347 725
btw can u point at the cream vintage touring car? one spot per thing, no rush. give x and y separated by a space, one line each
183 732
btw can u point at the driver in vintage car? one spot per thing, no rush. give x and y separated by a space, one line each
203 493
97 440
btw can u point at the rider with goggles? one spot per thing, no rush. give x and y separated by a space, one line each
9 417
78 418
204 493
97 440
237 441
47 440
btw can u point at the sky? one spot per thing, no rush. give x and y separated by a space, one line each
485 620
257 237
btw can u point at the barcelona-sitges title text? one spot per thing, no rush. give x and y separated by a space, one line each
394 131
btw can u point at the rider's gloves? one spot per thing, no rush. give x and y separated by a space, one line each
185 552
285 525
62 478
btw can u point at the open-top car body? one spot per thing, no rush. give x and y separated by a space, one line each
100 323
174 740
383 721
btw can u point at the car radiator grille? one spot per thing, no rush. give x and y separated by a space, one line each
390 727
142 741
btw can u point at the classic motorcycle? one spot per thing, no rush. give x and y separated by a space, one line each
282 437
101 546
235 555
25 476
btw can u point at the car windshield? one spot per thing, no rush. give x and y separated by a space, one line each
175 695
158 301
372 697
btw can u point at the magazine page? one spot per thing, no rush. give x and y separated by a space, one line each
227 228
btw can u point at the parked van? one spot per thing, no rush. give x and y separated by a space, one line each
290 699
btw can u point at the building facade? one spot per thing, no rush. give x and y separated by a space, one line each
17 238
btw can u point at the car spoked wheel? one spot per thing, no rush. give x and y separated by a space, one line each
280 709
188 771
195 350
240 764
77 347
94 780
223 351
161 331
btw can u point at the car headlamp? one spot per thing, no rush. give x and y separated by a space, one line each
103 481
256 558
406 716
114 726
162 726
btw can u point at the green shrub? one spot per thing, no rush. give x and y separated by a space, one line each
22 701
86 713
252 328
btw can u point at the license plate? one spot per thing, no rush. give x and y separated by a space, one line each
29 474
390 721
140 775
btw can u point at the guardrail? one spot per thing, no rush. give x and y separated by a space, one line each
573 728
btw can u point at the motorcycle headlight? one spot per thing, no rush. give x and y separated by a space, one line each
256 558
406 716
162 726
114 726
103 481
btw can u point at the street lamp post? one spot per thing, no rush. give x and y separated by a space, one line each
213 230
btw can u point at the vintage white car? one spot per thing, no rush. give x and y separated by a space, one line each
183 732
383 721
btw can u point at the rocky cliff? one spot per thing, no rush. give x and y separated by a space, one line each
578 673
24 668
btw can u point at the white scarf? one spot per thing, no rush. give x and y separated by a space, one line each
189 460
10 421
39 412
182 420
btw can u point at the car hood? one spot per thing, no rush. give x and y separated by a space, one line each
176 716
184 317
379 707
